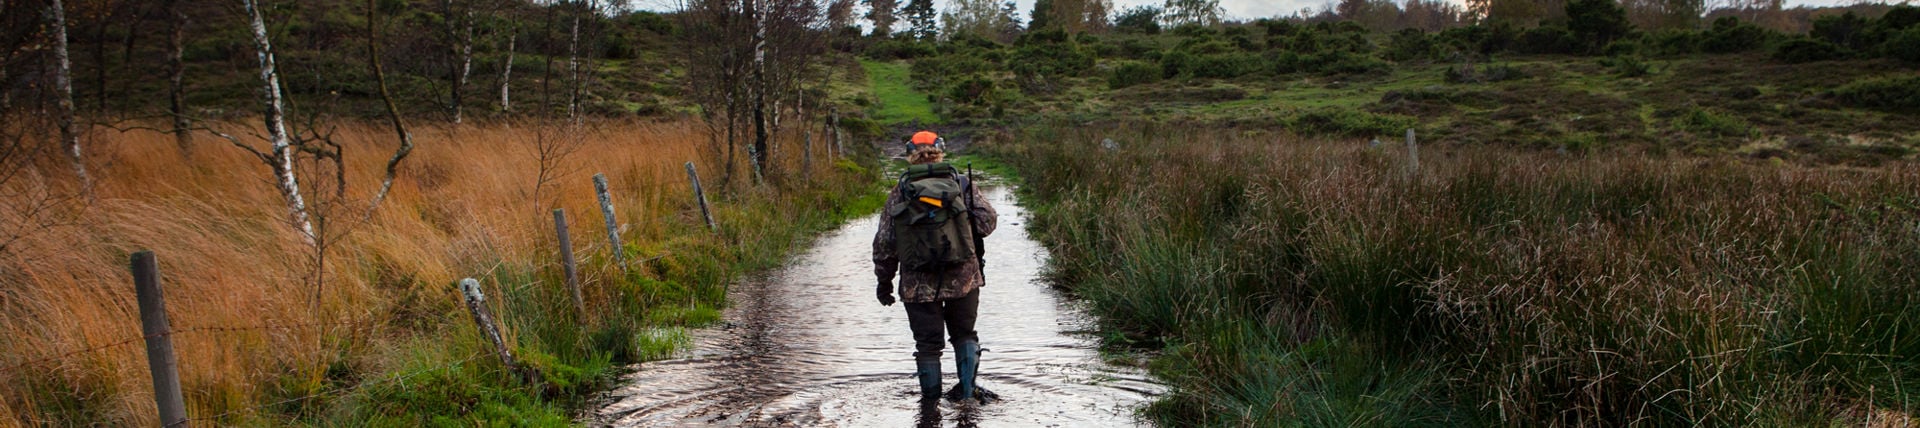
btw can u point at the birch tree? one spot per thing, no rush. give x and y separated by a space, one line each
719 43
1191 12
176 74
759 152
393 112
460 40
63 92
274 115
981 18
574 80
506 72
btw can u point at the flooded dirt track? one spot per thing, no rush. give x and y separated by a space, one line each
807 345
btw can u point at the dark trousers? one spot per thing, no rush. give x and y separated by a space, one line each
928 320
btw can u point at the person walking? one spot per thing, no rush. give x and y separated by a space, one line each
927 236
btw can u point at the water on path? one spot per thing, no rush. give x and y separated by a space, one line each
807 345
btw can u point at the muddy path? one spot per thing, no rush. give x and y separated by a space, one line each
807 345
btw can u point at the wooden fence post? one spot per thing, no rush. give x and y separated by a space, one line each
833 126
1413 153
160 358
476 304
566 261
701 197
613 223
806 161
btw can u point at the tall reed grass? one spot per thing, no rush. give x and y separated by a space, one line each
377 334
1318 283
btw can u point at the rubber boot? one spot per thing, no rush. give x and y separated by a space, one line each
967 356
929 373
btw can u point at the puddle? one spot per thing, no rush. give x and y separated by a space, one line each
807 345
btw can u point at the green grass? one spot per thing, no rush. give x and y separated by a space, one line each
1315 284
1521 100
454 380
899 103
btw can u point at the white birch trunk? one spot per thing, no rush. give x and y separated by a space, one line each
176 75
466 62
573 69
760 137
506 76
282 161
63 88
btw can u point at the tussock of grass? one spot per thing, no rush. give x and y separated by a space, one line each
1309 283
393 345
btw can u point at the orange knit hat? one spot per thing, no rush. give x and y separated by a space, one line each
925 138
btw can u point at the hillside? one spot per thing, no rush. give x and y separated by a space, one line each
1732 88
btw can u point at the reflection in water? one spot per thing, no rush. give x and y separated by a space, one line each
806 345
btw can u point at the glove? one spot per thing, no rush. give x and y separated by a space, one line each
884 292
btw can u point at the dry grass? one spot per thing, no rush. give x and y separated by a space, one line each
464 207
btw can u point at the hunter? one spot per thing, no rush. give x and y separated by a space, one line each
930 234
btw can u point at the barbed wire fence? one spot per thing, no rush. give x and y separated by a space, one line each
158 332
158 335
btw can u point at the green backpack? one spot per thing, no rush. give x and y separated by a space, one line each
931 230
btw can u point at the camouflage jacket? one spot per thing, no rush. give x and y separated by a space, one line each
924 287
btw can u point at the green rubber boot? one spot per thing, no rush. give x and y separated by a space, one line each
929 373
967 356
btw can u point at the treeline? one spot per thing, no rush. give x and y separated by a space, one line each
441 56
982 77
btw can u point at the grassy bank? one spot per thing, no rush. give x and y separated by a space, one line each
377 335
897 101
1293 282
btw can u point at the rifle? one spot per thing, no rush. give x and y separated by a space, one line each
979 241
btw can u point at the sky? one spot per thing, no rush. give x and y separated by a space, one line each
1236 9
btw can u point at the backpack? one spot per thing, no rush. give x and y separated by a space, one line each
931 230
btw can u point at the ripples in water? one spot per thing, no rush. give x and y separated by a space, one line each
806 345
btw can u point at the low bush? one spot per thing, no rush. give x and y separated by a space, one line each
1484 73
1409 44
1547 39
1194 30
1050 59
1702 121
1801 50
1628 66
1348 123
1904 46
1673 42
1484 39
1625 47
1327 63
1842 30
1130 73
1730 35
1226 66
974 89
1891 93
899 49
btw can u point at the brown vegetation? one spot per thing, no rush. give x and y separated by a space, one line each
255 315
